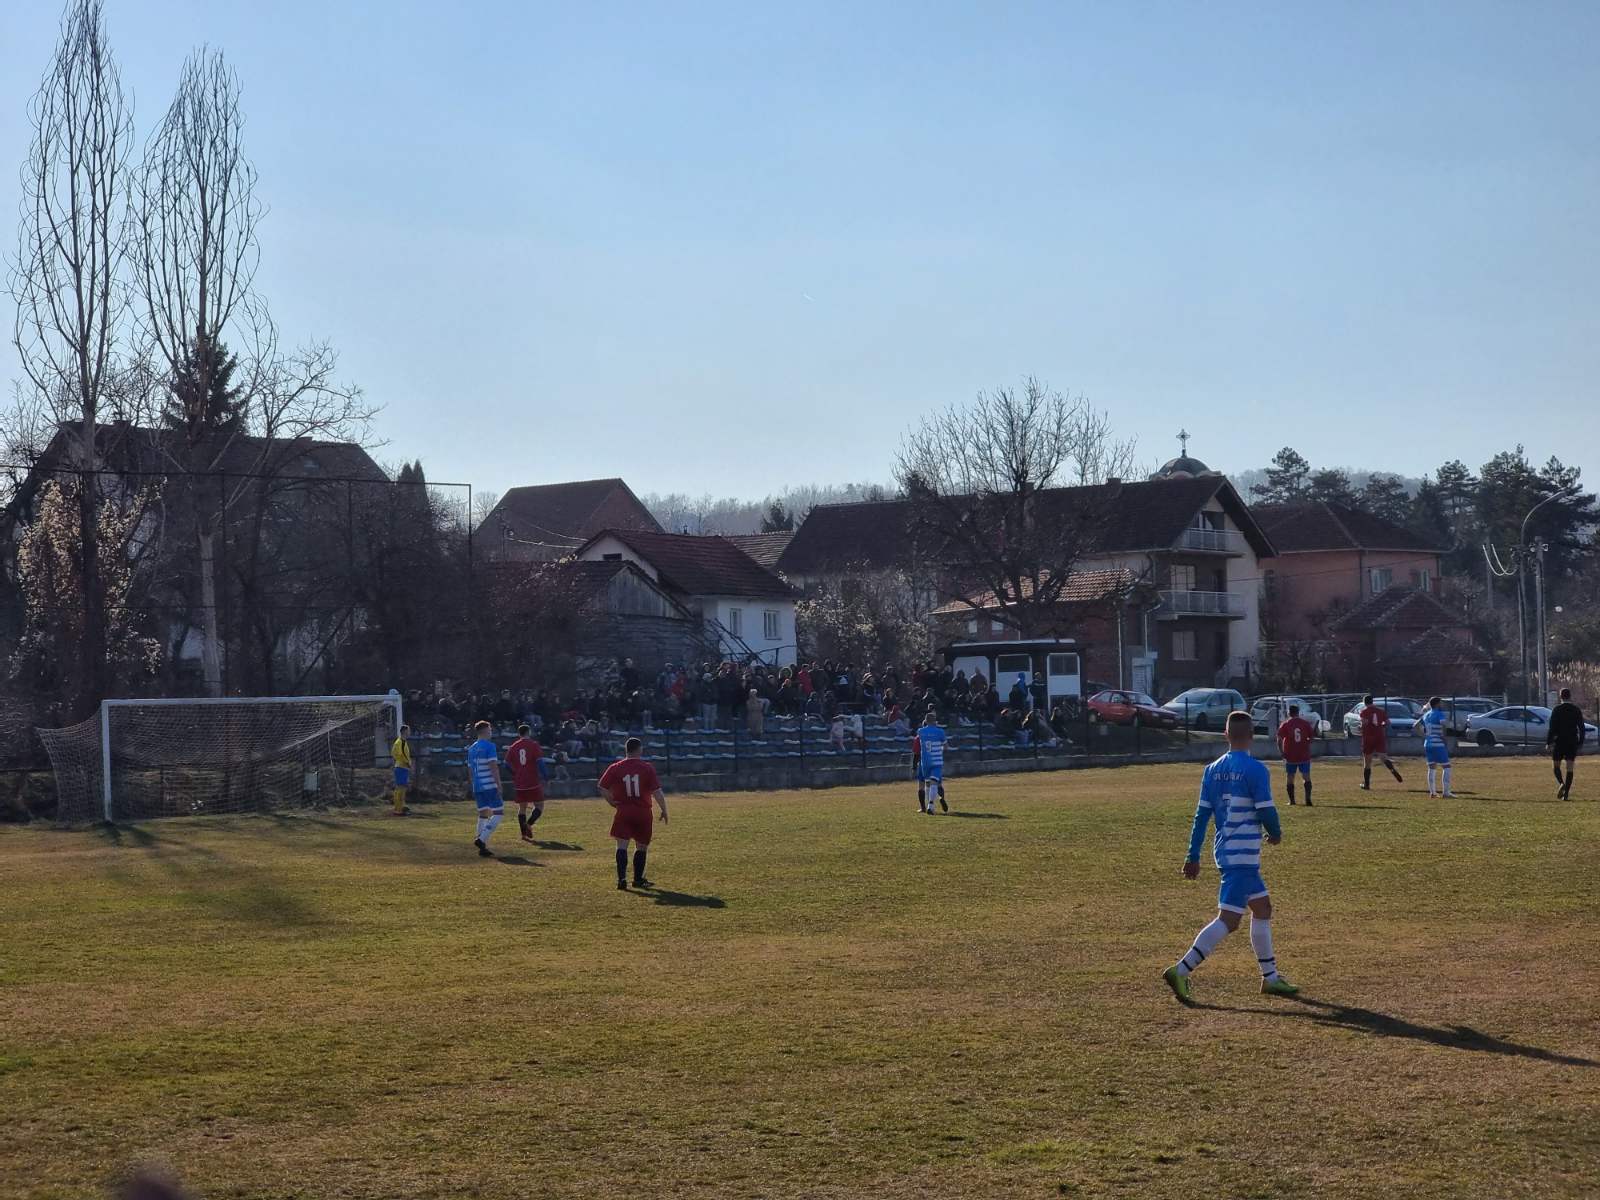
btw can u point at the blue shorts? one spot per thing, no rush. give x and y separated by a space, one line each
1240 885
489 800
402 776
1437 753
931 774
1304 769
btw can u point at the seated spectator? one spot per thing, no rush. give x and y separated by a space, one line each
897 721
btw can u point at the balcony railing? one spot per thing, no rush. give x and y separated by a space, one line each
1201 604
1225 540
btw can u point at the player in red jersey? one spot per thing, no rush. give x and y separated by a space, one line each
522 760
629 785
1294 740
1374 741
916 771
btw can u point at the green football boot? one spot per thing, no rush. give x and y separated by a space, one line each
1179 985
1278 987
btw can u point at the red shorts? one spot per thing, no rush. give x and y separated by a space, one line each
634 822
534 795
1375 745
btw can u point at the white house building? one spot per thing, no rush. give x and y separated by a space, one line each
746 610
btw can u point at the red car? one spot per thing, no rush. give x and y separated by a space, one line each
1116 707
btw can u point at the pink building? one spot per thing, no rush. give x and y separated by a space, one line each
1330 560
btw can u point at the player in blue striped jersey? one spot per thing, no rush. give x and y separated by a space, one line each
1436 745
930 762
1236 793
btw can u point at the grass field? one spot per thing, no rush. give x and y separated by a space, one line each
830 996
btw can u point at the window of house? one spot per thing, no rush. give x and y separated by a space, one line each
972 624
769 626
1382 577
996 626
1425 579
1183 649
1183 577
736 622
613 557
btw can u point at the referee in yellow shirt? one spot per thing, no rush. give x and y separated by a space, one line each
401 753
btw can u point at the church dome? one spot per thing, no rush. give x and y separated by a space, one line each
1183 467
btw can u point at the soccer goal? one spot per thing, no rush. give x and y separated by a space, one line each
184 757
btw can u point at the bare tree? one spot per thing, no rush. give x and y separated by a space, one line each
67 278
238 408
987 507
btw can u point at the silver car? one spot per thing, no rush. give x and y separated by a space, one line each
1261 709
1515 725
1403 714
1204 708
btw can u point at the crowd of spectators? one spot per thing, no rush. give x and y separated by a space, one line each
838 695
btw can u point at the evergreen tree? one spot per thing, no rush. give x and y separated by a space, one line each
202 401
1426 516
1332 486
778 519
1287 479
1386 496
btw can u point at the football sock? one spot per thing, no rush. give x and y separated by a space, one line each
399 799
489 827
1566 788
1366 776
622 862
481 823
522 821
538 811
922 798
1308 791
1393 771
1291 791
1556 767
1444 778
1261 940
638 863
1207 940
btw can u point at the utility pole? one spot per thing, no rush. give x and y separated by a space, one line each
1522 623
1538 594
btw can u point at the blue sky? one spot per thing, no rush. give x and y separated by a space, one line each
728 247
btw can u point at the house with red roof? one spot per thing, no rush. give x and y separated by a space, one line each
547 521
1405 641
745 610
1173 568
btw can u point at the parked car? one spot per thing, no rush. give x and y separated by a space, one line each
1261 712
1403 714
1117 707
1204 708
1458 709
1514 725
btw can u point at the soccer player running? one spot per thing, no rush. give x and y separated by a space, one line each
930 763
483 769
1374 741
1294 740
400 752
1565 739
522 760
1436 746
629 785
1236 791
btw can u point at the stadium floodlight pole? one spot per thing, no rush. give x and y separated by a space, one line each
391 698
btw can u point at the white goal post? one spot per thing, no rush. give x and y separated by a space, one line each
190 755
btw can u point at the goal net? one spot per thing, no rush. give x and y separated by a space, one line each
164 758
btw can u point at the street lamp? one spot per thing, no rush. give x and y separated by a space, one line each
1538 591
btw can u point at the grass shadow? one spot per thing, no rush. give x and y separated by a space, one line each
132 835
978 816
1381 1024
556 845
679 899
516 860
1358 807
